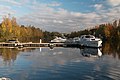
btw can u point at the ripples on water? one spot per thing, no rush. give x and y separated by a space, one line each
59 64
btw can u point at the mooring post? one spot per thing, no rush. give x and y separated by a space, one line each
40 41
39 45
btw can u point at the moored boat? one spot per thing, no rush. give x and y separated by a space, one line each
90 41
58 39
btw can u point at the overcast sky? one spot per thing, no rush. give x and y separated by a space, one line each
61 15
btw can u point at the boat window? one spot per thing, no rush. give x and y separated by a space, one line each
89 36
11 40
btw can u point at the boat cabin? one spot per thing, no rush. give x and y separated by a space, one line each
13 41
87 36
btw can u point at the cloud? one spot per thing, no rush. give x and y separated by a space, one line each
114 2
51 17
54 4
76 14
98 6
63 20
58 20
13 2
5 10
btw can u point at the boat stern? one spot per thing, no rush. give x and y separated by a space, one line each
100 43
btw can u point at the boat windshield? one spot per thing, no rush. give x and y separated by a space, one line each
89 36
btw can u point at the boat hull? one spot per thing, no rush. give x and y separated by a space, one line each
95 44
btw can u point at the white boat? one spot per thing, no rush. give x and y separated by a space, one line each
58 39
13 41
4 78
76 40
90 41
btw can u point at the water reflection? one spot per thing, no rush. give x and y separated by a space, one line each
91 52
57 56
60 63
112 49
9 55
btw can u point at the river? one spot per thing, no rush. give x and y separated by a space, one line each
61 63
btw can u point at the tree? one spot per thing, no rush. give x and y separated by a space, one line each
119 23
115 24
9 29
107 32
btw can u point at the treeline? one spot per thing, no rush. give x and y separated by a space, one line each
50 35
109 31
10 29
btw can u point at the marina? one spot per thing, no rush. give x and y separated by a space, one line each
59 40
83 41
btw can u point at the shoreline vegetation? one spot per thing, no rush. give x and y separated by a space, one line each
107 32
9 29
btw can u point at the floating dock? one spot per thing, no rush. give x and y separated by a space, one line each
12 45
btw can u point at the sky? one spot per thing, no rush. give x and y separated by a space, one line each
61 15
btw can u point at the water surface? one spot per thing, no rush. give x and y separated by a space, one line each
60 64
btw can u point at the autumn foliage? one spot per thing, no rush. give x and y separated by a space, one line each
108 32
10 29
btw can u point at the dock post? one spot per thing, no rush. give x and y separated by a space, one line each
39 45
40 41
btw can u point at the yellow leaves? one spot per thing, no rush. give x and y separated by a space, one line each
6 25
3 28
9 28
17 31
